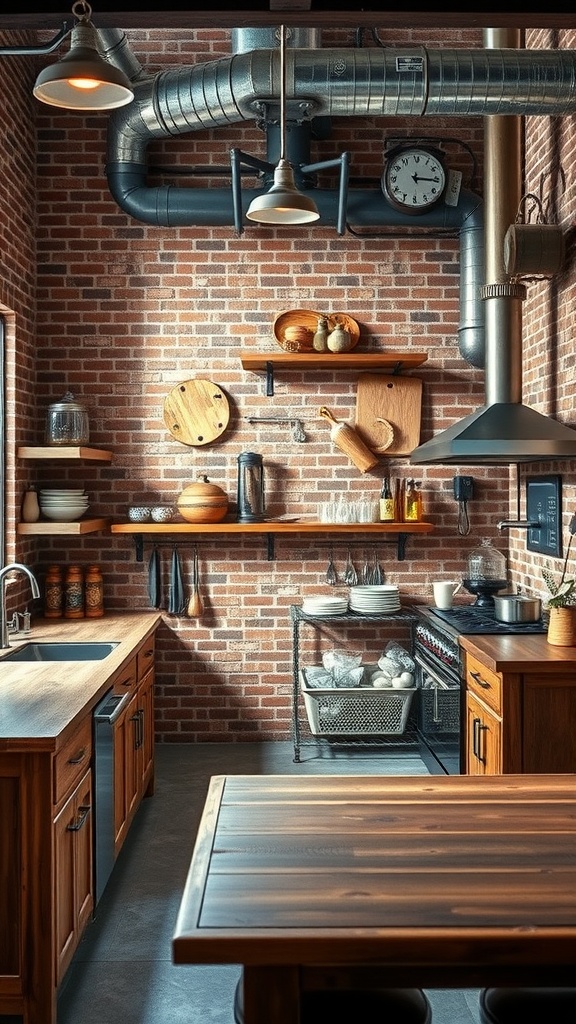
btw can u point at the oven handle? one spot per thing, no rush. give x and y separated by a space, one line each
440 684
431 672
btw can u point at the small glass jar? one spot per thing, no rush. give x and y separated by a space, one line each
67 422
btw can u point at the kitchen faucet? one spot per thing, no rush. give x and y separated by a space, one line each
13 567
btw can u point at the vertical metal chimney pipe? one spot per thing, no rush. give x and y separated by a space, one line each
502 194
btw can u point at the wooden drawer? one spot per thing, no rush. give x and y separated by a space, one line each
145 657
485 684
72 760
127 678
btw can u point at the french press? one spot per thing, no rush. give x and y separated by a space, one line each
250 499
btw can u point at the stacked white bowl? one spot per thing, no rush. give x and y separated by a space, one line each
63 505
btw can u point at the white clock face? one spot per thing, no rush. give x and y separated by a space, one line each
414 180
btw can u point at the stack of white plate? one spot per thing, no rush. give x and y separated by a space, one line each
325 605
64 505
375 599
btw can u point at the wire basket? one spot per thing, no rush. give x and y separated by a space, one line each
360 711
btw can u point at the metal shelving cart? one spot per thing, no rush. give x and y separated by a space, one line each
355 699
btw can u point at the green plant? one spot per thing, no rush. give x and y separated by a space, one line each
563 591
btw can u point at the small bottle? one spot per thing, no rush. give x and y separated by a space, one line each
53 593
320 339
386 502
412 503
30 507
74 593
94 592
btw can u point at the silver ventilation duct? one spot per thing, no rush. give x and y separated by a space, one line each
500 81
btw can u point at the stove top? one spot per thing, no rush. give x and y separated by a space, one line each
474 620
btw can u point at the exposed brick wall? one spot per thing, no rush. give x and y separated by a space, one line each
125 311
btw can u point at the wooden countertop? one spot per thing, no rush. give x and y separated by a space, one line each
40 703
520 653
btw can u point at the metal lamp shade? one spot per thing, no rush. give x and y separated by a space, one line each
83 80
283 203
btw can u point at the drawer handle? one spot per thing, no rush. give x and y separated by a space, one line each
83 813
477 740
481 682
138 718
79 757
128 681
148 653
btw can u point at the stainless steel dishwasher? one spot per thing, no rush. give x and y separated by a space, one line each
106 714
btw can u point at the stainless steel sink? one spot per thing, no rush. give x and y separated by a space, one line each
61 652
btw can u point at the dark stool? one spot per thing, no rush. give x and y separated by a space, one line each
527 1005
378 1006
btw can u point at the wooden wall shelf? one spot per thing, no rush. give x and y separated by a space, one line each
54 452
268 362
46 529
272 528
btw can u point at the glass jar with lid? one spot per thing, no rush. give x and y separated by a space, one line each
486 573
67 422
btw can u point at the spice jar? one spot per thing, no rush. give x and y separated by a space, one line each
74 593
67 422
320 339
53 593
94 592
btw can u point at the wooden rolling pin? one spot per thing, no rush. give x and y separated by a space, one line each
347 440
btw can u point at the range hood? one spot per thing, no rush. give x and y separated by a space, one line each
501 433
503 430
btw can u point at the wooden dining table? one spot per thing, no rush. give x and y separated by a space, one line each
338 882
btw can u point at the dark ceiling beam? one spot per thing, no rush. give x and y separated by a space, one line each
223 14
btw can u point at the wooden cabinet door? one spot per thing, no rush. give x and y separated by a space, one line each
72 882
483 739
146 709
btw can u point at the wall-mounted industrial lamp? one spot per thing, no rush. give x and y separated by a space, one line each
83 80
283 203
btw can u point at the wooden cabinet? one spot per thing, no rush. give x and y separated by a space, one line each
134 741
47 815
73 875
520 721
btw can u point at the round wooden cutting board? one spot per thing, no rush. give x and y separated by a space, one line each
196 412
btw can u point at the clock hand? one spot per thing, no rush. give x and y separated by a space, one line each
418 177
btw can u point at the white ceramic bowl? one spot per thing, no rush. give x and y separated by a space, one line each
64 515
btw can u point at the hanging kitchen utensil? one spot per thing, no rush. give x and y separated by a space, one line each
350 574
196 412
155 579
348 441
367 572
176 598
377 573
331 574
388 411
195 606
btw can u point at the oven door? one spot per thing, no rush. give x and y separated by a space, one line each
440 719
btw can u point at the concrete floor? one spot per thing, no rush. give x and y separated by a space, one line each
122 972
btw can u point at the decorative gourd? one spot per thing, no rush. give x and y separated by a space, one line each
203 502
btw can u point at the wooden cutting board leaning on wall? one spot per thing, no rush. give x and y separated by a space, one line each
396 400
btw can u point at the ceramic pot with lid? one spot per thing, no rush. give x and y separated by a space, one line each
67 422
203 502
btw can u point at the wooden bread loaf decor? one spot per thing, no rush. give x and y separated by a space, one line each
347 440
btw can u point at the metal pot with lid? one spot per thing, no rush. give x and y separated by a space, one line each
67 422
517 608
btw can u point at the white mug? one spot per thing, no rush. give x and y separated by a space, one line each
444 593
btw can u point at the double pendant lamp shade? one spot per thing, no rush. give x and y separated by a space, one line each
83 80
283 203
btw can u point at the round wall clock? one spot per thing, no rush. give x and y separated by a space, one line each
414 179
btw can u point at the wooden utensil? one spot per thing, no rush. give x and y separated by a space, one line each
195 604
347 440
196 412
388 412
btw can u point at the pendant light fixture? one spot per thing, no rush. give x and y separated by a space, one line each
83 80
283 203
